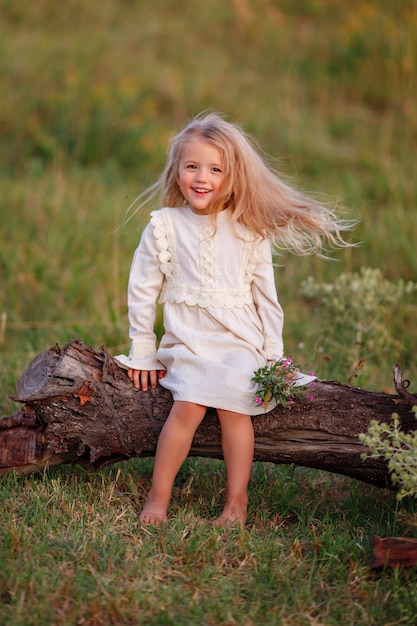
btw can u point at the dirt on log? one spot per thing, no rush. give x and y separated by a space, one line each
79 406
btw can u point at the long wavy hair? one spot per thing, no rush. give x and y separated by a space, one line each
254 192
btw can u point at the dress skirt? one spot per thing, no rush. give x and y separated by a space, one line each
211 354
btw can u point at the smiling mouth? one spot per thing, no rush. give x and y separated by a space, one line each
198 190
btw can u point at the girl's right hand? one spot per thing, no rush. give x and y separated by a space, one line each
142 378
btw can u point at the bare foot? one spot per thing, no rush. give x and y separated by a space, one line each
153 514
231 516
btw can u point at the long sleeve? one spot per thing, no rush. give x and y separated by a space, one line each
266 300
145 283
270 312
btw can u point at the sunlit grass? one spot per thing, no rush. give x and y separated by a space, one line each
71 542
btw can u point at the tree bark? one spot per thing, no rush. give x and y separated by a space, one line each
393 552
79 406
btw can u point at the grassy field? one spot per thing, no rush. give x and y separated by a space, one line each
91 94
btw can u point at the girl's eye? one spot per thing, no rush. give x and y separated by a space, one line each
217 169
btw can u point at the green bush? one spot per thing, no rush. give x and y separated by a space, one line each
355 315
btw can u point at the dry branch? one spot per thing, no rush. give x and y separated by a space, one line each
393 552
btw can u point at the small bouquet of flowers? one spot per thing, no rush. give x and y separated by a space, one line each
278 382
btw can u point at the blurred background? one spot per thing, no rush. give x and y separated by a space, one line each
91 93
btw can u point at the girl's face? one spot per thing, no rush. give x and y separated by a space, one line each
200 174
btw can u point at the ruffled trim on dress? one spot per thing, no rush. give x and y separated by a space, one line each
142 356
128 362
253 257
273 349
208 258
230 298
303 379
161 235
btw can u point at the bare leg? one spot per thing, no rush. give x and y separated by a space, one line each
173 446
238 446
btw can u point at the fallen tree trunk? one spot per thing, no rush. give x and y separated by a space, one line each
80 407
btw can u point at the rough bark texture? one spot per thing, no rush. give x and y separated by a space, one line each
393 552
80 407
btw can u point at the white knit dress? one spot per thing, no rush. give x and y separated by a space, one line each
222 318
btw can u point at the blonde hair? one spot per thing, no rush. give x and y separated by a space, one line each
256 194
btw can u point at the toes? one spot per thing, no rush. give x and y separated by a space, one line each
152 519
231 517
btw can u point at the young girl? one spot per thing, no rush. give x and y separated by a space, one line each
208 255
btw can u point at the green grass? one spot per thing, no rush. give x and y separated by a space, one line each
73 552
91 93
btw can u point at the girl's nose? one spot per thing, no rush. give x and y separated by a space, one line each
201 175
